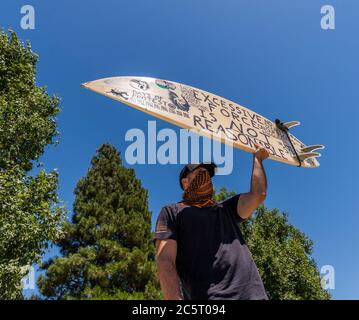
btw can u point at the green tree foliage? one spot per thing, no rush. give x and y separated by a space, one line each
107 251
29 213
282 254
27 114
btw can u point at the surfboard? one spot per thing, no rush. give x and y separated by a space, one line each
209 115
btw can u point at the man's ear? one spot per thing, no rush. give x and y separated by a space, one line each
184 182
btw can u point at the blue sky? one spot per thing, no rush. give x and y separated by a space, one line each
270 56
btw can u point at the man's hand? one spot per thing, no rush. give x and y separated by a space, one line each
261 153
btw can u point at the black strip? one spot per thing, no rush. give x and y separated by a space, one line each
285 129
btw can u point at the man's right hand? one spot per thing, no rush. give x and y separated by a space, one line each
261 153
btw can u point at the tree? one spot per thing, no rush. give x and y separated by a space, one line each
29 213
282 254
107 249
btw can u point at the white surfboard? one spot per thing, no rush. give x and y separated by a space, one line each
207 114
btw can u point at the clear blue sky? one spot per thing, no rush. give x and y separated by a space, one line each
270 56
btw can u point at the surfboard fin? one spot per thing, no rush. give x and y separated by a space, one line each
311 148
290 124
305 155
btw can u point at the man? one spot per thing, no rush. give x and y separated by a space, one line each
200 251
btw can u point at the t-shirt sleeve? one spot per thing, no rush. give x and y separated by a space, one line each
165 225
231 204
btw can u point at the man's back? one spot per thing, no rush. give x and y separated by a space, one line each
213 261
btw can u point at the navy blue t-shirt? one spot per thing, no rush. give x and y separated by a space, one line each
213 261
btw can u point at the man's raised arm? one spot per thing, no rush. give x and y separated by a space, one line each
248 202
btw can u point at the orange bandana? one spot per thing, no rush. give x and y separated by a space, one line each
200 191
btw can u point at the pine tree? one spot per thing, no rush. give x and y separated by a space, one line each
107 249
282 254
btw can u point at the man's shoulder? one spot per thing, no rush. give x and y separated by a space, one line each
169 205
174 207
230 199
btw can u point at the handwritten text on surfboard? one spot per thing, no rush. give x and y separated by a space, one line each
207 112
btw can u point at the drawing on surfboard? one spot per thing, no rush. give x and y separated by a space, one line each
209 115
